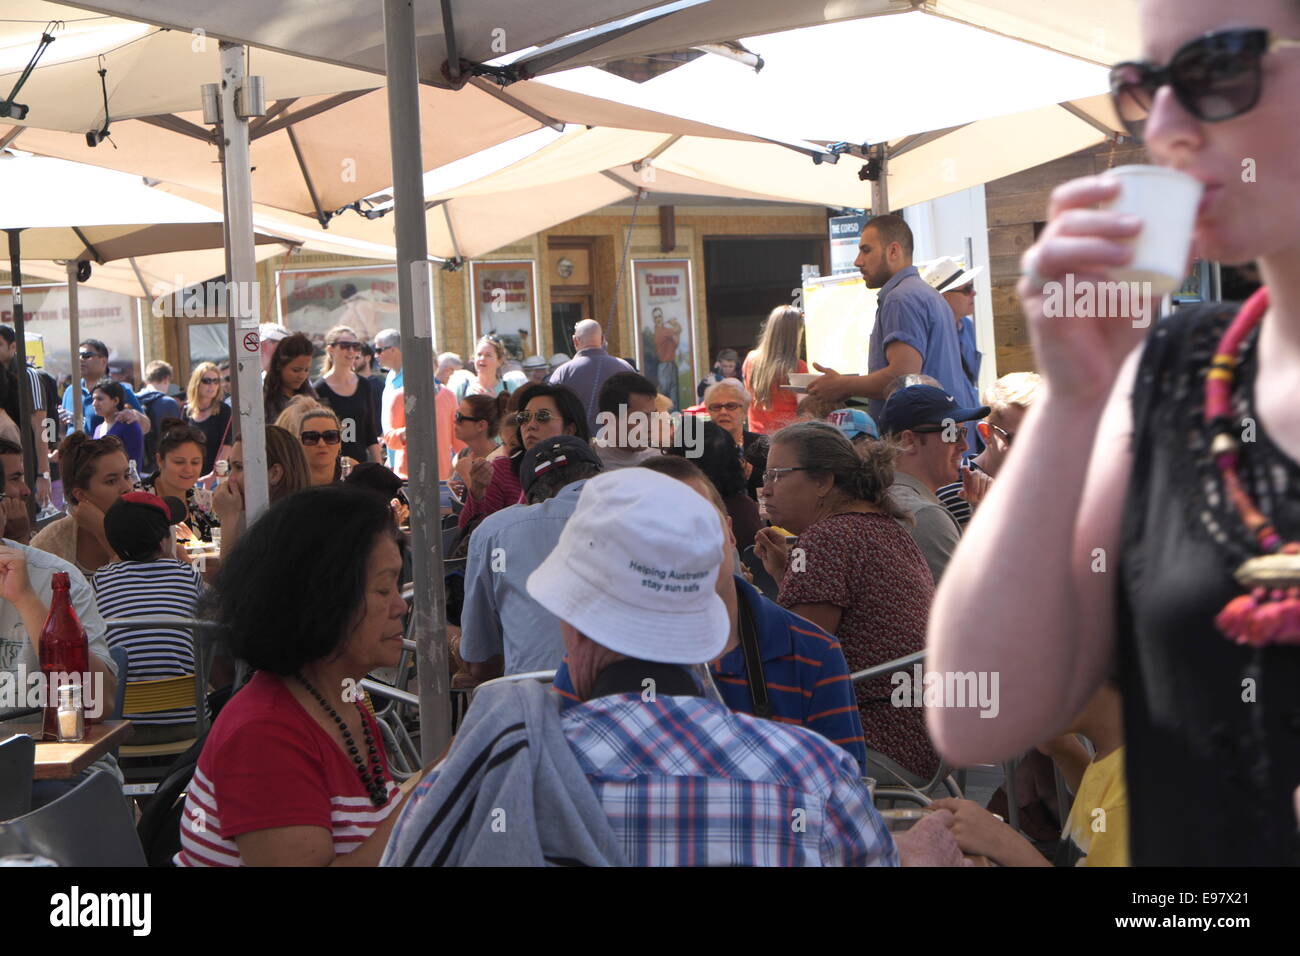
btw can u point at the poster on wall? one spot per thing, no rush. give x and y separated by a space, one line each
665 346
504 304
312 301
107 316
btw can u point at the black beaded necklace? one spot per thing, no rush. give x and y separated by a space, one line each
373 781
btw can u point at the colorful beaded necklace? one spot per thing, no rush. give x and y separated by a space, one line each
1270 613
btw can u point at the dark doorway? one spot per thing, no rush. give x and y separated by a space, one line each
747 278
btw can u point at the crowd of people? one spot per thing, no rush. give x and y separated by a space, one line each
705 587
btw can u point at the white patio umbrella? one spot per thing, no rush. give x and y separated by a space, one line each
55 210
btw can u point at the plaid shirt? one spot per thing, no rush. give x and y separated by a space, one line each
686 782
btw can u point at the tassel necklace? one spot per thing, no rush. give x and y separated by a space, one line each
1270 613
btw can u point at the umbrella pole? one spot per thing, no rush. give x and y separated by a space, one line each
429 610
243 297
74 333
24 388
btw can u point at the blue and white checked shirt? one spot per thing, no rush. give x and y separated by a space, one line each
687 782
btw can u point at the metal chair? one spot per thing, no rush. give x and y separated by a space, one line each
17 764
901 789
91 825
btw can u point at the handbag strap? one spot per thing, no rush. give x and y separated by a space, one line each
753 658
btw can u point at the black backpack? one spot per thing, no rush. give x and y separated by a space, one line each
149 402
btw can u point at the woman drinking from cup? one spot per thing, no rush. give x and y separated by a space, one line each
1167 458
95 474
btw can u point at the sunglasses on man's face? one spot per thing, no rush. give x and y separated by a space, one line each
543 416
330 437
1215 77
87 356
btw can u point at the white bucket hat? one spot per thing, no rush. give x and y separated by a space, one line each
636 569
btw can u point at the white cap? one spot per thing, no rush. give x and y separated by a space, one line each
272 332
639 586
558 359
946 274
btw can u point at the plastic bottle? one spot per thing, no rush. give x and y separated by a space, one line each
64 651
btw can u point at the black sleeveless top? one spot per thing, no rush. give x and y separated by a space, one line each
1212 728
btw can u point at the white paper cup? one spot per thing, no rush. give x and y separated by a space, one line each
804 379
1166 201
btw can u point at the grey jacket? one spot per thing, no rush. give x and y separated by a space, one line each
510 793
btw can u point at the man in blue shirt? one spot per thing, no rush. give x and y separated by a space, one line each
914 330
586 372
503 629
93 357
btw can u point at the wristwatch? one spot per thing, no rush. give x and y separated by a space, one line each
44 474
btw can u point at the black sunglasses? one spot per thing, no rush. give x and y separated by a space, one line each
1215 77
89 355
330 437
347 346
468 418
211 381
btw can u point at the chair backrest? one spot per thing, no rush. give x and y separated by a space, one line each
88 826
17 764
123 663
152 696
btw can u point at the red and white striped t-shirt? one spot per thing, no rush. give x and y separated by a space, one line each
266 764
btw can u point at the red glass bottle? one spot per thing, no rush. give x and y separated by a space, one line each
64 651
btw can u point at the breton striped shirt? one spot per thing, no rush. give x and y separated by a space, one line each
164 588
268 764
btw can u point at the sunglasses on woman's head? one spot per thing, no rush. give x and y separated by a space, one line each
543 416
1215 77
330 437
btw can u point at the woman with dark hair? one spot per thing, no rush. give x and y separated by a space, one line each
109 398
348 393
293 772
95 474
543 411
179 462
722 462
287 374
855 572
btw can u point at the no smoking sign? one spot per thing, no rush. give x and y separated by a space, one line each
251 342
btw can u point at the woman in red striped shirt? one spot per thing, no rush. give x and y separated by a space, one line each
293 772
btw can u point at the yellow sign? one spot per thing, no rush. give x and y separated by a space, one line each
839 314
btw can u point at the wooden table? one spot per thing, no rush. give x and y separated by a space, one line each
56 761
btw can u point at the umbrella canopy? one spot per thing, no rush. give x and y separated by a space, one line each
47 199
350 33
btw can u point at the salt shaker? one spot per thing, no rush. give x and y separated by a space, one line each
72 722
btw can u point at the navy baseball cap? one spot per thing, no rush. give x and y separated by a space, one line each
919 405
558 452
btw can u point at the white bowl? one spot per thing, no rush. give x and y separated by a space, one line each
804 379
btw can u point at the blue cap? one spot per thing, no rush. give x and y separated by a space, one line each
853 422
924 405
